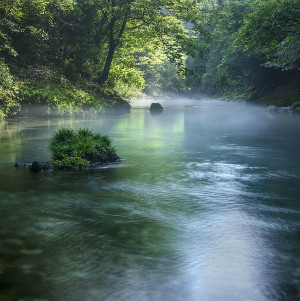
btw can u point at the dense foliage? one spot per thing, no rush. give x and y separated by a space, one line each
251 50
92 48
72 55
76 149
9 92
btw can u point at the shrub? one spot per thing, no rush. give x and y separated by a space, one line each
77 149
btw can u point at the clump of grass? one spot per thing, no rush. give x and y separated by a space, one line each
77 149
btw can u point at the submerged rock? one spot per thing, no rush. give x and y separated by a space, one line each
155 106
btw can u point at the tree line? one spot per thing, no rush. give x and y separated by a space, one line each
71 55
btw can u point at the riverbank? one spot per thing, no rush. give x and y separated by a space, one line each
69 101
284 96
62 106
43 92
61 102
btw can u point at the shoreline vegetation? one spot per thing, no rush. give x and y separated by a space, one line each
64 57
104 103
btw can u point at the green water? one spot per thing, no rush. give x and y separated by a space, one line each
203 206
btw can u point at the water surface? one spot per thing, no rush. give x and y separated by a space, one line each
203 206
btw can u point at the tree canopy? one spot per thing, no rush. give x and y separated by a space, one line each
274 29
72 53
252 49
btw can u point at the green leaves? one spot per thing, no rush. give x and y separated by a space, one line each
9 92
252 48
273 29
76 148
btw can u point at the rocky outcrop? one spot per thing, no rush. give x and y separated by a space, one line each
36 166
39 166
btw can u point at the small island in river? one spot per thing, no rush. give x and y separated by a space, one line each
75 149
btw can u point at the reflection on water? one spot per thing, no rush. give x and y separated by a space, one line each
203 206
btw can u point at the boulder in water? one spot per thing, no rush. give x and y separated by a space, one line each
37 166
155 106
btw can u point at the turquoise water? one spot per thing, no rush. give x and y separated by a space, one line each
204 206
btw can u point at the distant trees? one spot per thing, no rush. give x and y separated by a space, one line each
251 48
274 30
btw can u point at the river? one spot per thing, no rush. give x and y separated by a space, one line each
204 205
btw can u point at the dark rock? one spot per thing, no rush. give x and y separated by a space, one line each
37 166
103 158
155 106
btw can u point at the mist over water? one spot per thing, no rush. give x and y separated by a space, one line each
203 206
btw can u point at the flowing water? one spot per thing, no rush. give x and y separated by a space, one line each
204 206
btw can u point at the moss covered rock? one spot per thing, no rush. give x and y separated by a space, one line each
77 149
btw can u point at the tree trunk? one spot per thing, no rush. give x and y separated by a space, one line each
113 43
109 58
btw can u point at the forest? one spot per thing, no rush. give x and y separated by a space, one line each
74 55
